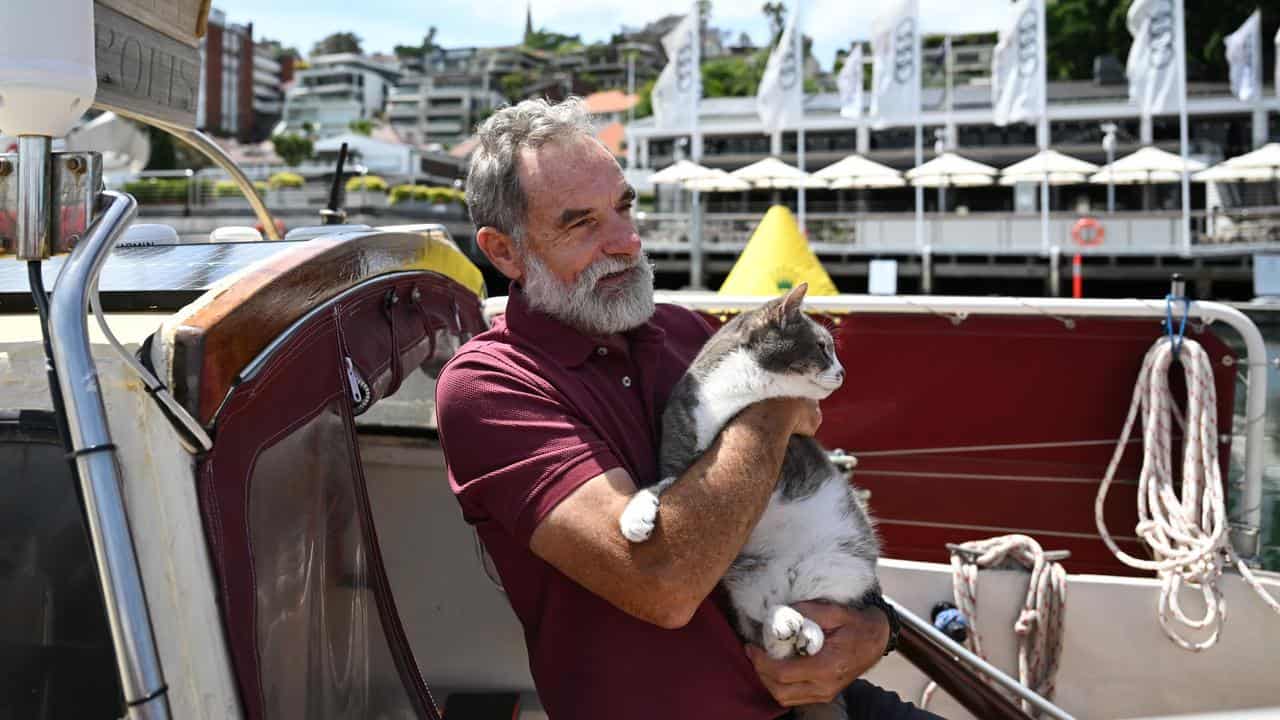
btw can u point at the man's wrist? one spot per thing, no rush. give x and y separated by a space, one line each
875 599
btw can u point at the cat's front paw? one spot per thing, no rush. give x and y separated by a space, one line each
810 638
781 629
639 517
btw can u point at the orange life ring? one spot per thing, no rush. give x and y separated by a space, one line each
1088 231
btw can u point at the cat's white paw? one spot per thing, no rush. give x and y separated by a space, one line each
781 630
810 638
639 517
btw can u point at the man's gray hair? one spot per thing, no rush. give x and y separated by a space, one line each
494 194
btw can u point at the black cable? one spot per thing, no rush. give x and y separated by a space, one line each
36 277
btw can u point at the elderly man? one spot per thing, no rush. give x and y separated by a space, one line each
549 422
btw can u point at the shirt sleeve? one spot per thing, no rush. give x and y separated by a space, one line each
514 449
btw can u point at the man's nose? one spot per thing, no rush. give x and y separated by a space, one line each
622 238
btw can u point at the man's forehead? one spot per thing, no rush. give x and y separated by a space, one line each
568 169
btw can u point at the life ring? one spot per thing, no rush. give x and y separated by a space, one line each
1088 231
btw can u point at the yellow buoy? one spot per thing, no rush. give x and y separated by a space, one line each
776 259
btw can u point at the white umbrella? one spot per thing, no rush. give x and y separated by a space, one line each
1059 169
718 181
1258 166
951 170
1147 165
681 172
858 172
772 173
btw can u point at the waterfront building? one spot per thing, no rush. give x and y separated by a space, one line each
337 90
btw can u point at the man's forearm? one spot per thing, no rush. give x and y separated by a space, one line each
710 511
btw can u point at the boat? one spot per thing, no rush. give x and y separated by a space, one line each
224 497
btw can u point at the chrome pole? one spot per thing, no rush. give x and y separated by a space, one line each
137 659
963 654
35 201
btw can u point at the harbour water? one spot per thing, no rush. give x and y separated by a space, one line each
1268 320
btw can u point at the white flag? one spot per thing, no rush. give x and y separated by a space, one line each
850 83
780 99
679 86
1017 93
1153 63
1277 43
895 72
1243 53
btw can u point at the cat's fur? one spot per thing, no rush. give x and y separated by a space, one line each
815 540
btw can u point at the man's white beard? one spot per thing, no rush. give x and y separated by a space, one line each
583 306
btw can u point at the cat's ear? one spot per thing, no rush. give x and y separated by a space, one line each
791 303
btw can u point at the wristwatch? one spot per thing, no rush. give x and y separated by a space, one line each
875 599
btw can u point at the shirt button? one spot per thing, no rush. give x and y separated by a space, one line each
626 381
602 351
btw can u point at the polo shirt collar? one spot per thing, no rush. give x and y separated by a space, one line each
567 345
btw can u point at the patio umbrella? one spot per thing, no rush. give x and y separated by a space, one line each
1146 166
679 173
773 174
1258 166
858 172
1052 165
951 170
717 181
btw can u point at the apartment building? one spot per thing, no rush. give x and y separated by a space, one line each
337 90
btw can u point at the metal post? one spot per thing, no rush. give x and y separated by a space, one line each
141 677
926 270
1109 145
35 201
1042 129
798 42
1055 271
1181 57
695 153
919 134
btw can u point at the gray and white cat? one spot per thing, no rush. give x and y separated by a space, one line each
815 540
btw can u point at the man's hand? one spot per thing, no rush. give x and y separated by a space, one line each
856 640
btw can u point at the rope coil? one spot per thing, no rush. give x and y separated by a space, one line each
1039 625
1186 535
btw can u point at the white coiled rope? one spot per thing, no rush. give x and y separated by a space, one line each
1039 625
1187 535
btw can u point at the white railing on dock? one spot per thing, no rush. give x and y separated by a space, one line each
1155 232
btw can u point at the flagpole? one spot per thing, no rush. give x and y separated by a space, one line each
1181 57
695 152
1043 129
1259 123
797 38
919 131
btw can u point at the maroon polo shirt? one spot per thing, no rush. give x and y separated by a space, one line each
530 410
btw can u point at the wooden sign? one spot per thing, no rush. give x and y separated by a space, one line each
142 70
182 20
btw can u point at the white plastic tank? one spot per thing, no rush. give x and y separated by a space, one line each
47 74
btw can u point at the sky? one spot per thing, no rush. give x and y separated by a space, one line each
382 24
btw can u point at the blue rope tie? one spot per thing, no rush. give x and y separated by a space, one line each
1176 340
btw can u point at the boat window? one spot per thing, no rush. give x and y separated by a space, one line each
322 649
56 659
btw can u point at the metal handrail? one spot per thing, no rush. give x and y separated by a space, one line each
137 659
210 149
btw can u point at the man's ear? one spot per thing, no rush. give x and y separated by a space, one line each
502 251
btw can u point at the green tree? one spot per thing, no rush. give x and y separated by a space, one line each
292 148
1080 30
361 127
339 42
410 51
773 12
552 41
513 85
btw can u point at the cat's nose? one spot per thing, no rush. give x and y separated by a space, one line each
839 374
